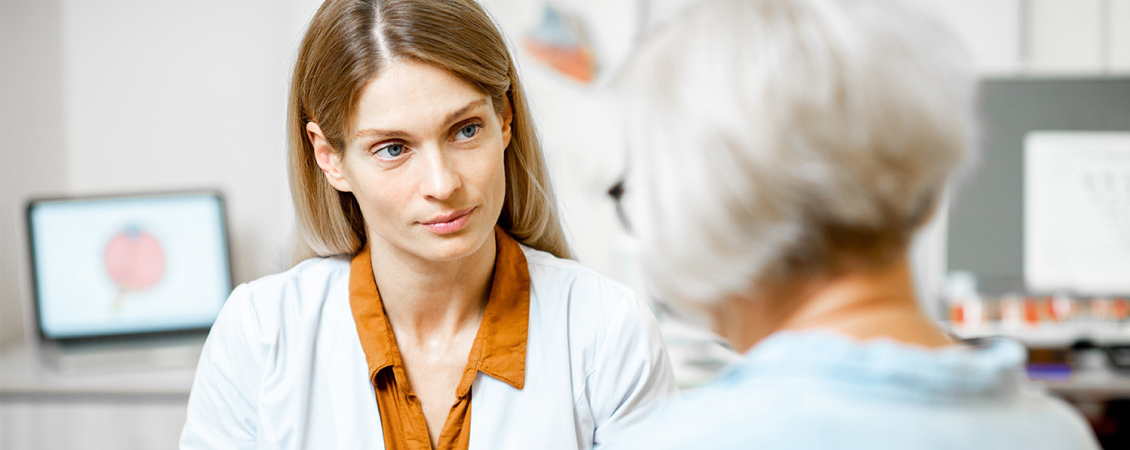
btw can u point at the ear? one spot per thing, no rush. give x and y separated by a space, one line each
328 159
506 117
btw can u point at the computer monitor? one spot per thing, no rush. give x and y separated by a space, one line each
128 266
986 224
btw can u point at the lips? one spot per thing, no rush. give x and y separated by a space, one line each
449 223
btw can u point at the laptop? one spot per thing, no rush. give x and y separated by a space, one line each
127 281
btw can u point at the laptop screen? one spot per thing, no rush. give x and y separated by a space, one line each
128 265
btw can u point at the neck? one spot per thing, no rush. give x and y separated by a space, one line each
432 300
861 305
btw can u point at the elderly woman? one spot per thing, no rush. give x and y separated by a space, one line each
784 152
439 309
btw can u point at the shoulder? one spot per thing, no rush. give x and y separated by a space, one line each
587 297
603 315
270 301
550 274
1058 421
705 417
312 276
776 412
257 344
620 360
313 272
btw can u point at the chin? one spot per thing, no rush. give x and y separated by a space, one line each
457 245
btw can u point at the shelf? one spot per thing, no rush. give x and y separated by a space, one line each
1055 335
165 371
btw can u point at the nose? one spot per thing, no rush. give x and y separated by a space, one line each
441 178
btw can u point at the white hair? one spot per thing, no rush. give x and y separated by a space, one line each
776 138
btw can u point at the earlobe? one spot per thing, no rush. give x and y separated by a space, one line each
327 158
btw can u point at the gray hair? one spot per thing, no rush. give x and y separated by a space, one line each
773 139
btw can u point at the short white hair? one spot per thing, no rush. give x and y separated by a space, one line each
780 138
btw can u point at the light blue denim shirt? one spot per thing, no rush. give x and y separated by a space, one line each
818 390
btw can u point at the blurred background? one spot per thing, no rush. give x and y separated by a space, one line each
140 96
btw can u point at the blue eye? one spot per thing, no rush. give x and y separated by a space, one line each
390 151
468 131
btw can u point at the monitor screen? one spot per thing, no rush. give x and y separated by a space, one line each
1077 212
130 265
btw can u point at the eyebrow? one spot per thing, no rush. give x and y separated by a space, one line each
397 134
461 111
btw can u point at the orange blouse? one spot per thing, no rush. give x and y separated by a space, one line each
499 349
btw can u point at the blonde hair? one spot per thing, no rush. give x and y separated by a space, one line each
779 139
346 46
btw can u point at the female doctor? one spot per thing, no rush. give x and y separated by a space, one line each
440 309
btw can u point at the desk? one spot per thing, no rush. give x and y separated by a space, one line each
1091 389
133 408
1092 385
1093 378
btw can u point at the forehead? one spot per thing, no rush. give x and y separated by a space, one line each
412 96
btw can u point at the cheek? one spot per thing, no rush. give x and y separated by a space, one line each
497 162
486 171
498 180
381 197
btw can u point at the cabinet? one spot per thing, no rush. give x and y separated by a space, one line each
112 407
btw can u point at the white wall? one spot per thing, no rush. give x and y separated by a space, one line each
1119 28
182 94
1042 37
102 96
32 138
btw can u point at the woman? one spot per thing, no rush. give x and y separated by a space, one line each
441 310
784 152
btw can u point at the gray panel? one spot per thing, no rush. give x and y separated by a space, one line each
987 215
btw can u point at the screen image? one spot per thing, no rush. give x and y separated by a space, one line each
128 265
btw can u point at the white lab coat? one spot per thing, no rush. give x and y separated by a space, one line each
283 366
